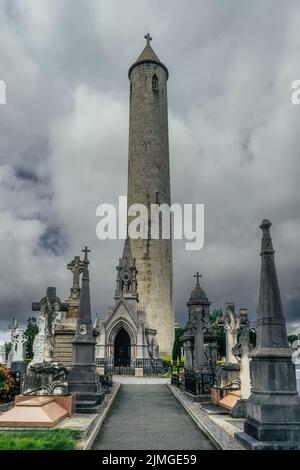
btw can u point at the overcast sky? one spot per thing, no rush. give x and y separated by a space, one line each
234 141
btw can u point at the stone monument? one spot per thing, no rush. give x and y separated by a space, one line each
49 307
13 336
273 409
83 378
199 365
242 352
2 353
227 376
65 329
231 323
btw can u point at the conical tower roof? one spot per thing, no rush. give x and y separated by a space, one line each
148 56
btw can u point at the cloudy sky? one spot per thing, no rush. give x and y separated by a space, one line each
234 141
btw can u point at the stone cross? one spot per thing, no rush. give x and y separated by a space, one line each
76 266
148 39
14 342
19 346
231 325
197 276
49 306
86 251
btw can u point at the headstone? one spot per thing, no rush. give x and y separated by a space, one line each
242 352
20 344
273 409
65 329
83 378
227 376
199 356
13 340
49 307
231 324
2 353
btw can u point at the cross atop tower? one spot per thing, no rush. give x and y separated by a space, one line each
197 276
86 251
148 39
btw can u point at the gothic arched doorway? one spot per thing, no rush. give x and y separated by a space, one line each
122 348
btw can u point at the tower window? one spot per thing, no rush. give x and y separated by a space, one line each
155 83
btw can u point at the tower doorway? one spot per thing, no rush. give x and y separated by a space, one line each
122 347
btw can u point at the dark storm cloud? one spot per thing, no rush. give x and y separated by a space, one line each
234 140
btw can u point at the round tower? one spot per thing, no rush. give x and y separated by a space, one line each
149 183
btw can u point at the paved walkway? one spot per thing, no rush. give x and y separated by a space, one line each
149 417
131 379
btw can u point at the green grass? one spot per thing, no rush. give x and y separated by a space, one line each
56 439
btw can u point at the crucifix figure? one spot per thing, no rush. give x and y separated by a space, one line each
197 276
148 39
49 306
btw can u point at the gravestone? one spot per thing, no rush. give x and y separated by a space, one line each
84 381
20 344
197 345
231 323
65 329
13 337
242 352
273 408
2 353
49 307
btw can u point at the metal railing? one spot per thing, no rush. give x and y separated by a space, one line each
198 383
128 367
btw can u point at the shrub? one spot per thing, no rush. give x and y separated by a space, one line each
6 383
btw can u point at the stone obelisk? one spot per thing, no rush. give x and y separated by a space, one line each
273 409
83 378
149 183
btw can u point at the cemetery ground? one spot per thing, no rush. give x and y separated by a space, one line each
138 413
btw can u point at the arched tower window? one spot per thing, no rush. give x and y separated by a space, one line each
155 83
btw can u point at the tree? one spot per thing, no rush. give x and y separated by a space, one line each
216 328
292 338
176 355
6 383
30 333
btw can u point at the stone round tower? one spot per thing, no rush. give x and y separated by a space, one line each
149 183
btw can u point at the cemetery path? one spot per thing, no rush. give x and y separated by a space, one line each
149 417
